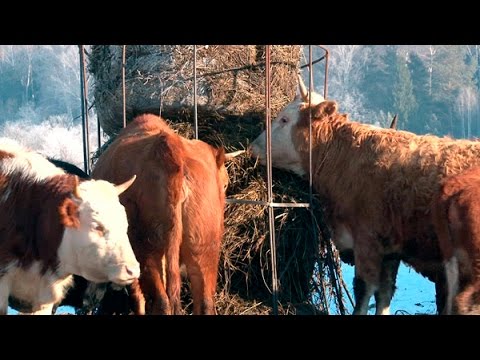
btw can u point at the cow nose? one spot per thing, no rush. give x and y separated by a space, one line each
251 150
133 271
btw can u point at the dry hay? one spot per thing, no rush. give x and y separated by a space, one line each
308 269
244 284
231 80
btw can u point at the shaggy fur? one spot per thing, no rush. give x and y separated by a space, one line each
175 209
380 184
456 217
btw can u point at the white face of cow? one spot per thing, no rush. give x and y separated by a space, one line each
284 154
99 250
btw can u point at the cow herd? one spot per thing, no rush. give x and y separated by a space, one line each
155 201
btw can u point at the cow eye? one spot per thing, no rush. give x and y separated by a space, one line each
283 120
99 228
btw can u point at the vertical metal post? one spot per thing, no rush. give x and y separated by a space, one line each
124 52
99 133
195 114
271 218
84 99
310 85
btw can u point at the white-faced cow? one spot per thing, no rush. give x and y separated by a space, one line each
175 210
379 184
53 226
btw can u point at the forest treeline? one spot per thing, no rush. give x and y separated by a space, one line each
434 88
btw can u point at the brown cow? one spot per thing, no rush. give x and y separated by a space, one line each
456 215
379 183
175 209
53 226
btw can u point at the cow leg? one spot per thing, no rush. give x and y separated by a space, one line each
467 301
172 257
174 280
44 310
4 293
388 276
368 265
151 283
452 276
137 300
54 309
202 271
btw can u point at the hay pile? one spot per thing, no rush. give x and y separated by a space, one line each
308 269
231 80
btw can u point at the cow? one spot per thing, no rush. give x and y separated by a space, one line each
379 184
84 295
53 226
455 215
175 209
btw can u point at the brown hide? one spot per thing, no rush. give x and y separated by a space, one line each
175 209
381 182
456 215
33 219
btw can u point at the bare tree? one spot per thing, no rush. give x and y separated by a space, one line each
467 103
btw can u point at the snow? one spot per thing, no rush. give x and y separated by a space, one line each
414 295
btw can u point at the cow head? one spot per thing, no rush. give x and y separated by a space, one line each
95 244
284 155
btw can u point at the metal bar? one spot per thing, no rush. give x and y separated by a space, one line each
84 99
195 116
266 203
124 55
325 83
310 90
310 163
313 62
242 68
271 217
99 133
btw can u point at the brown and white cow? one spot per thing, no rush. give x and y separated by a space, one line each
175 209
379 184
456 215
53 226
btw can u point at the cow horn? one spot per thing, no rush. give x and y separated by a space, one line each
122 187
302 88
231 155
393 125
75 187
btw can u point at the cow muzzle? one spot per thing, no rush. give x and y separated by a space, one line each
256 151
124 274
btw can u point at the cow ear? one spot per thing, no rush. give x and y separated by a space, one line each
219 156
69 215
325 108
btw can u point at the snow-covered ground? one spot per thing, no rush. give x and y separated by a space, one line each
414 295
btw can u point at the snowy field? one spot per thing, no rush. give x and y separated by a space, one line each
415 294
